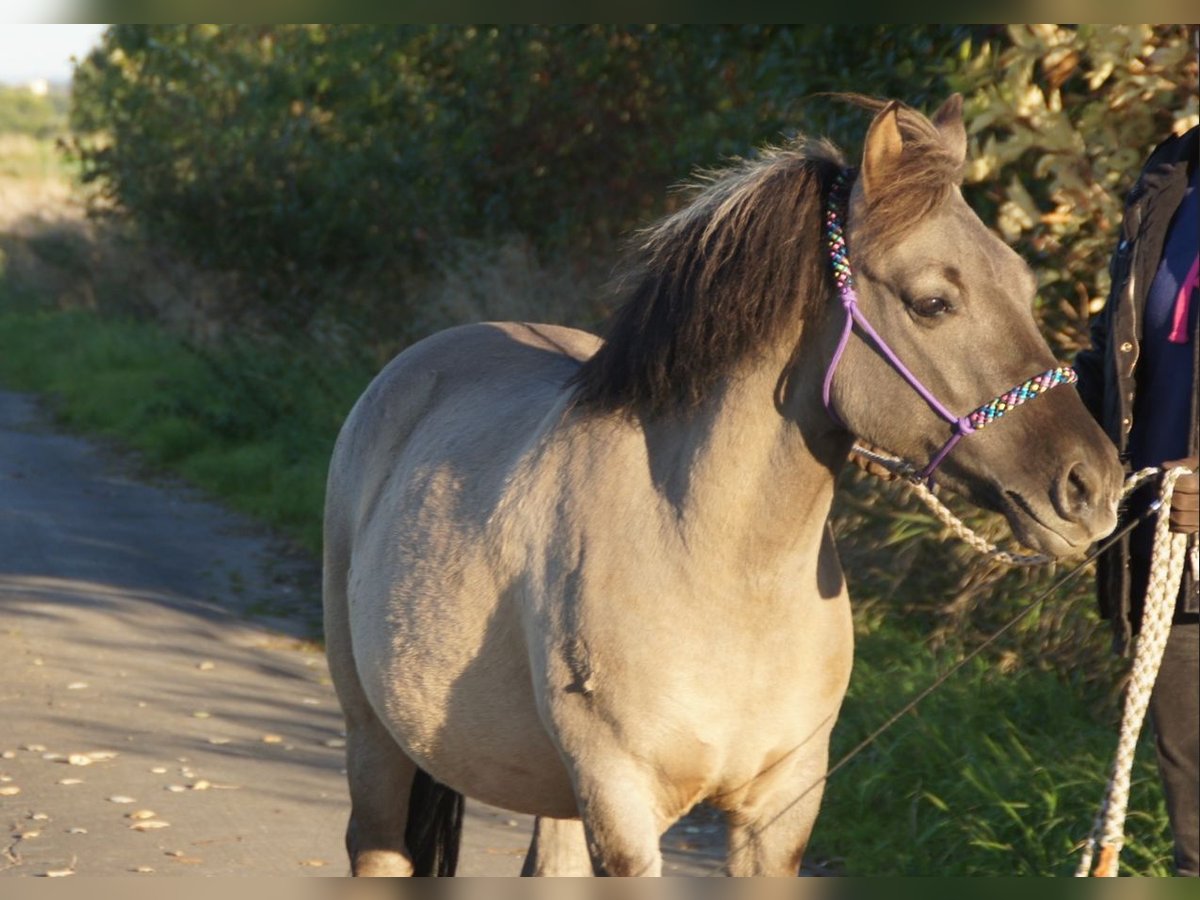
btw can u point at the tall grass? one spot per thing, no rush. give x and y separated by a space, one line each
253 424
995 774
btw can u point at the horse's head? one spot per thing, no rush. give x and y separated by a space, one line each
953 304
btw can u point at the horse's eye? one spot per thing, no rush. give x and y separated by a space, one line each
929 307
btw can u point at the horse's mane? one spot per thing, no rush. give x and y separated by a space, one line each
716 281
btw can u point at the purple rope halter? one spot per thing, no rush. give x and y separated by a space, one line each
962 425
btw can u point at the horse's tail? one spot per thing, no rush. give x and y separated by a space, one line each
434 826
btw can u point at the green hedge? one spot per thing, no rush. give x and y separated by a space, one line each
286 153
293 155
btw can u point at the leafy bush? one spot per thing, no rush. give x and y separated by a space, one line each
287 153
317 160
1062 118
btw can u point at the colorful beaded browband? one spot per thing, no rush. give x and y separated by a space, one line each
843 276
1022 393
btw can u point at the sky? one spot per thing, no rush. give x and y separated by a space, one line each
30 52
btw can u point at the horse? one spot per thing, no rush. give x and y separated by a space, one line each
593 580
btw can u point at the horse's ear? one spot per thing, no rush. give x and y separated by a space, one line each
949 122
883 149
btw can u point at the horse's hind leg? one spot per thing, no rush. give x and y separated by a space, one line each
380 775
381 778
558 848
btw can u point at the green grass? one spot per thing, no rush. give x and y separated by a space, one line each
252 424
998 773
994 774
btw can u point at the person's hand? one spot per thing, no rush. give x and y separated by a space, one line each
1185 502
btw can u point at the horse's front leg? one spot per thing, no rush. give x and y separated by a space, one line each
559 848
769 836
619 808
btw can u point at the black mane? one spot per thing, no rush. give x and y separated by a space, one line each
713 282
716 281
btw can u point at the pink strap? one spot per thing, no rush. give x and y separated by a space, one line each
1183 304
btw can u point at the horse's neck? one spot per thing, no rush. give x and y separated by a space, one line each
741 475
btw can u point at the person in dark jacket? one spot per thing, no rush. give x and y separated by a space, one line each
1139 378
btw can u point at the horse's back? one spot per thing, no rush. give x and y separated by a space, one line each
415 583
502 371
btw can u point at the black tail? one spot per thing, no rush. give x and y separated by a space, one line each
434 826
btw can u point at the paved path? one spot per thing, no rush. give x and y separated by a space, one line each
162 705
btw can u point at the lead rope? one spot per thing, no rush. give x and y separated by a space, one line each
1166 572
963 531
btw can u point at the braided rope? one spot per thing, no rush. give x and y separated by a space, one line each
956 525
1166 571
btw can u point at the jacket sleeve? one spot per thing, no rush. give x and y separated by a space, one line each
1089 362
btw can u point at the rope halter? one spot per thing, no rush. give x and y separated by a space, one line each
835 215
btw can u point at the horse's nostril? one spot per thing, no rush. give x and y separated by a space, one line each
1077 492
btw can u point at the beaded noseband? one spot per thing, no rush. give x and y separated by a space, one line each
962 425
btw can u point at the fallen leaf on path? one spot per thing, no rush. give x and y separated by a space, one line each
141 814
77 686
34 748
207 666
159 770
201 785
76 830
70 781
121 798
150 825
272 739
313 863
57 873
79 759
9 790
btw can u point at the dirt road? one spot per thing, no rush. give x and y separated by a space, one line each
164 708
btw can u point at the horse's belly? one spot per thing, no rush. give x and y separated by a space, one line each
449 678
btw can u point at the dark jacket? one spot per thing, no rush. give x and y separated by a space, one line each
1108 369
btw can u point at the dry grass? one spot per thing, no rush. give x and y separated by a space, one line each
63 249
504 280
